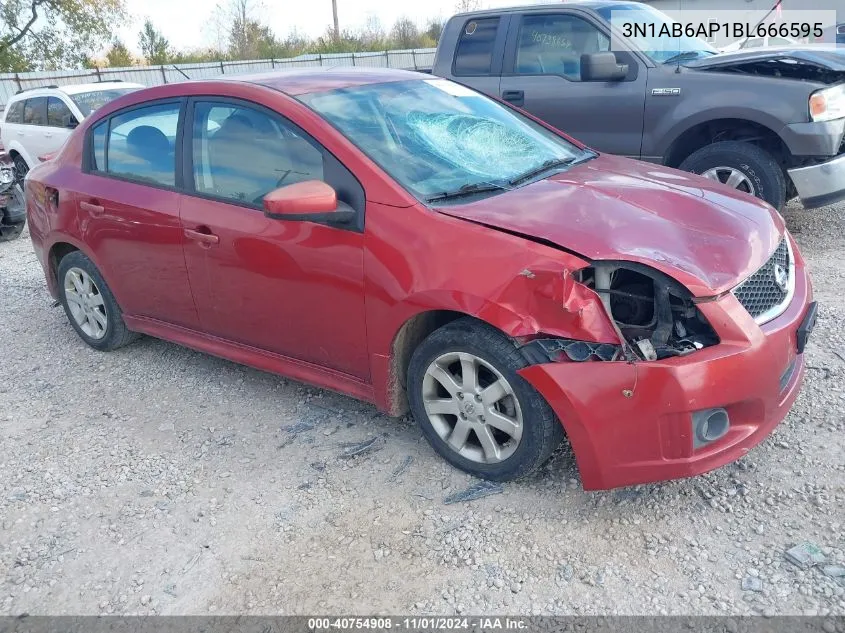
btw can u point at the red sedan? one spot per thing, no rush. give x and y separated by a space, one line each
414 244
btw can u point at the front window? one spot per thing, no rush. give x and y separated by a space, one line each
241 153
553 45
435 136
87 102
660 49
59 115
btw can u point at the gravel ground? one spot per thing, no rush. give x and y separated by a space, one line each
159 480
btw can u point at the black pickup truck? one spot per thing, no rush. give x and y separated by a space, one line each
768 121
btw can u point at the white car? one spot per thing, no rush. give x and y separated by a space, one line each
38 121
758 42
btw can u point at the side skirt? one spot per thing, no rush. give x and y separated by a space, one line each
253 357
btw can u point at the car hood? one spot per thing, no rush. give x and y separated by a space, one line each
707 236
829 58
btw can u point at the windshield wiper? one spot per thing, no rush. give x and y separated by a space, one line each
552 163
465 190
685 56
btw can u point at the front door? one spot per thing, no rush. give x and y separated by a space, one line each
542 73
60 124
290 287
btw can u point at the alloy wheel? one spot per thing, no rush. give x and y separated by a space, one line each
732 177
472 407
86 303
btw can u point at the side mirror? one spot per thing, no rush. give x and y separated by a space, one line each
72 124
602 67
309 201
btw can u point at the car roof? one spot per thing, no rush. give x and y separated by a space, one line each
73 89
585 4
308 80
96 86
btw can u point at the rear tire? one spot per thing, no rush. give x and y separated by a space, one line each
90 305
761 172
474 408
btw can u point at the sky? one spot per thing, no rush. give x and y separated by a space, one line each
183 22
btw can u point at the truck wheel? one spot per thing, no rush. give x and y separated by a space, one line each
743 166
473 407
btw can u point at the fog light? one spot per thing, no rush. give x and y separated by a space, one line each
708 426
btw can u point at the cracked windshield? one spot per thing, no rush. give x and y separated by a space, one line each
437 137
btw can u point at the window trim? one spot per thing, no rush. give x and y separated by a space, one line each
88 151
512 46
187 157
184 155
496 54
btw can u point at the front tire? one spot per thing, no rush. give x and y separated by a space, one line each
9 232
21 168
90 305
473 407
743 166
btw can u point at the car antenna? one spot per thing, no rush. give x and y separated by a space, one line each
678 58
764 18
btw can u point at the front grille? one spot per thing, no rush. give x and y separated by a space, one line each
760 294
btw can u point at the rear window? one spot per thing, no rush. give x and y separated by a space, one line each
14 113
475 47
35 111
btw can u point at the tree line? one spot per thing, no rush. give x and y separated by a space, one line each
64 34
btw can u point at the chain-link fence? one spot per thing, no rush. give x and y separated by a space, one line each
413 59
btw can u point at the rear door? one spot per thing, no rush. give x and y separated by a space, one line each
542 73
32 133
478 56
129 211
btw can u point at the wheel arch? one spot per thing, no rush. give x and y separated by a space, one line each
62 246
407 337
703 133
539 303
15 149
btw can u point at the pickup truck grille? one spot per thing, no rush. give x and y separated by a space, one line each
767 292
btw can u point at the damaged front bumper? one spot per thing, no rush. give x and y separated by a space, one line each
12 207
633 423
822 184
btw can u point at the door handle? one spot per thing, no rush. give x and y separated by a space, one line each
203 235
92 208
48 134
516 97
